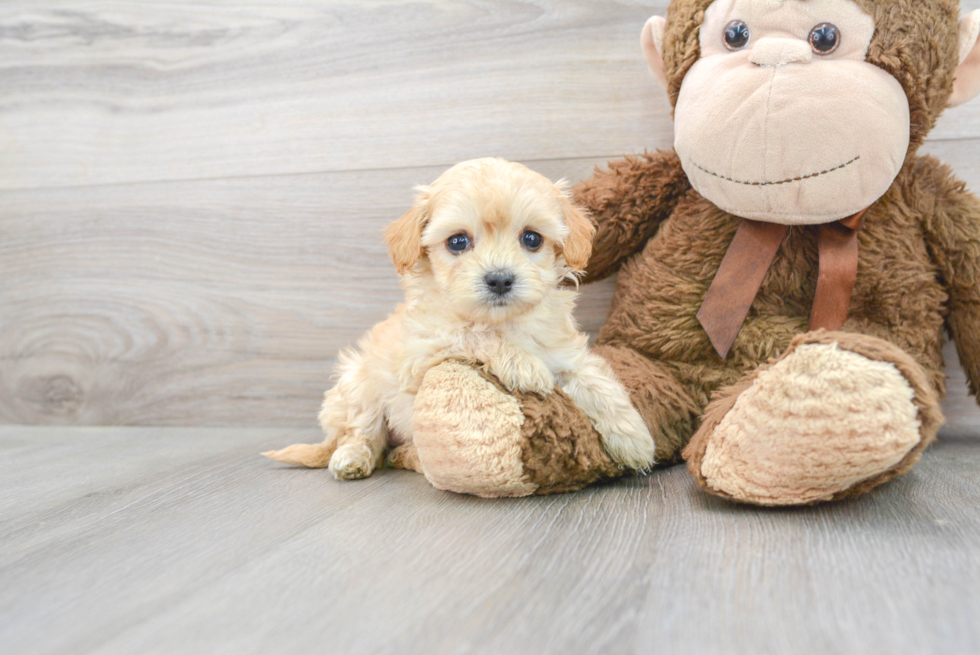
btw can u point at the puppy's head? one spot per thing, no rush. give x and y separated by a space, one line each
494 236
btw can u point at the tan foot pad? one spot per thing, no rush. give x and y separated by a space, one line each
474 437
468 435
814 424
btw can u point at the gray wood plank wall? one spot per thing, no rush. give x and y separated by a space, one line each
191 193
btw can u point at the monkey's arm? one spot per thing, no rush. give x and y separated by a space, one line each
628 201
953 230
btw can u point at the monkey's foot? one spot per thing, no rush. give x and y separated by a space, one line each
474 437
837 415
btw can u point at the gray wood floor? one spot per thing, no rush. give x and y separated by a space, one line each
182 540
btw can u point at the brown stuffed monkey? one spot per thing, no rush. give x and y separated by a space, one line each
786 273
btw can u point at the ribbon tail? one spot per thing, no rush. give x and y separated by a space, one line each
738 280
838 248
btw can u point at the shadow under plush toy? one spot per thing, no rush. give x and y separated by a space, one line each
785 275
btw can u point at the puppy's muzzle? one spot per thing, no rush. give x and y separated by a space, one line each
500 283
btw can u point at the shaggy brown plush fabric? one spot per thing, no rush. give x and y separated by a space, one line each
951 223
915 42
654 183
918 268
543 445
917 272
665 405
560 450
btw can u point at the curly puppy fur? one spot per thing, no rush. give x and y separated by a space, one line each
497 299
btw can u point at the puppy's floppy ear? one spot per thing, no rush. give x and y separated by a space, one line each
577 246
404 236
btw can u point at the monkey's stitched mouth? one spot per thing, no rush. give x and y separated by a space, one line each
786 181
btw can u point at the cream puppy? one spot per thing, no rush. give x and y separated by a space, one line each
483 255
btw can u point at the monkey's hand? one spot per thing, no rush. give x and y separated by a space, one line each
951 216
628 201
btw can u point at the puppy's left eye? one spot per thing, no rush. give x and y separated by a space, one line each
531 240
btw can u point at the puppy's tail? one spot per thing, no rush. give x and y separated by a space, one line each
314 456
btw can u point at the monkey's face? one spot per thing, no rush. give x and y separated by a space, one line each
782 119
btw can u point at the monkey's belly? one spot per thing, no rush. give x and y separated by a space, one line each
659 293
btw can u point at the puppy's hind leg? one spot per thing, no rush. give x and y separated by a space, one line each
597 392
405 457
353 421
354 411
317 456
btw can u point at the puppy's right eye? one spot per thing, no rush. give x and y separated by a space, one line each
458 243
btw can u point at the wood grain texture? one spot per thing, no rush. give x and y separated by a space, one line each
218 302
108 92
191 193
124 91
163 540
198 303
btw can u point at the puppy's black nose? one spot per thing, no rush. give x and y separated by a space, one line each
499 282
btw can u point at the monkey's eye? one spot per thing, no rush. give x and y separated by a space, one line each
824 39
737 35
531 240
458 243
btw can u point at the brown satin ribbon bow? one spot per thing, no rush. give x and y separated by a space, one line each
749 257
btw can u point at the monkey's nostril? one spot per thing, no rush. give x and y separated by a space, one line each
499 282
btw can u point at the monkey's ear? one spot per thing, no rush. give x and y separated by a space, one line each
577 246
967 82
404 236
652 42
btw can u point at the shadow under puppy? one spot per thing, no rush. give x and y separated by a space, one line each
483 255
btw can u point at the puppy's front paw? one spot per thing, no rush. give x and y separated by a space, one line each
352 462
526 375
628 441
409 380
